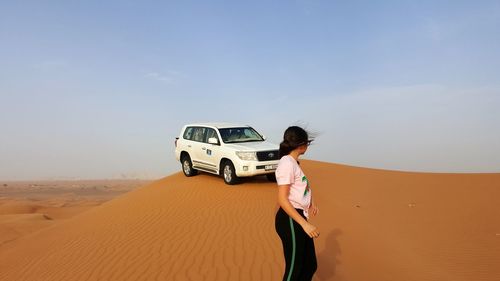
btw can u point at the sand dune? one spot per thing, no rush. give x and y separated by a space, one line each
27 207
18 207
375 225
17 225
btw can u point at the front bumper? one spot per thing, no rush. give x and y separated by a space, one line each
254 168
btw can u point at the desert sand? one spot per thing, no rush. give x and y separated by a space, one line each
27 206
375 225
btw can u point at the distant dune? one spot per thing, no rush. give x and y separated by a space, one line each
375 225
27 206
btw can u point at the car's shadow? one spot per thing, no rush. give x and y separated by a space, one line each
254 179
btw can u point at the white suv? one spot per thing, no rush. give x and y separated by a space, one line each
230 150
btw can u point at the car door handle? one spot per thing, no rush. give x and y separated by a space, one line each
189 145
203 148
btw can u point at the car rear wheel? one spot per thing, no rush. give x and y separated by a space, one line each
229 173
187 166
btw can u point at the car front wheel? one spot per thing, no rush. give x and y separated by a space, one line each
271 177
229 173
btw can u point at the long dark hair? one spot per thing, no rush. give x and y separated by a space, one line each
293 137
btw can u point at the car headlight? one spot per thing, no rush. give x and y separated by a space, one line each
248 156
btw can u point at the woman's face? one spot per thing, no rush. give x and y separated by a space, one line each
302 148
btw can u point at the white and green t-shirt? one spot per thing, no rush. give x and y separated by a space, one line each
289 172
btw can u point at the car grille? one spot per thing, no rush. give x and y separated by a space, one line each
268 155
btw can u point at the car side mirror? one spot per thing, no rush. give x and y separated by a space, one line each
213 141
264 137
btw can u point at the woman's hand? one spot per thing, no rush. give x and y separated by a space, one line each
313 209
310 230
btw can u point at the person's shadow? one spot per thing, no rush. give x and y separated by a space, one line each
327 259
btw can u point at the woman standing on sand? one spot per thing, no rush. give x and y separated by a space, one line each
296 203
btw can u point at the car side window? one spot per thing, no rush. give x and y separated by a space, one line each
199 134
188 133
211 133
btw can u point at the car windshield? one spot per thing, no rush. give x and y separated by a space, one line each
243 134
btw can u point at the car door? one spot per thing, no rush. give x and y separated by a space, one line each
211 152
195 146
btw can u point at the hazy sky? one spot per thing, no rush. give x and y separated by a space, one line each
100 89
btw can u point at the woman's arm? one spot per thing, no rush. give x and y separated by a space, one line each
283 191
313 208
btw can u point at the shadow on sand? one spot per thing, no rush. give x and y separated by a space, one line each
327 259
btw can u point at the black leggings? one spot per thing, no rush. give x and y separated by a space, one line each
298 247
